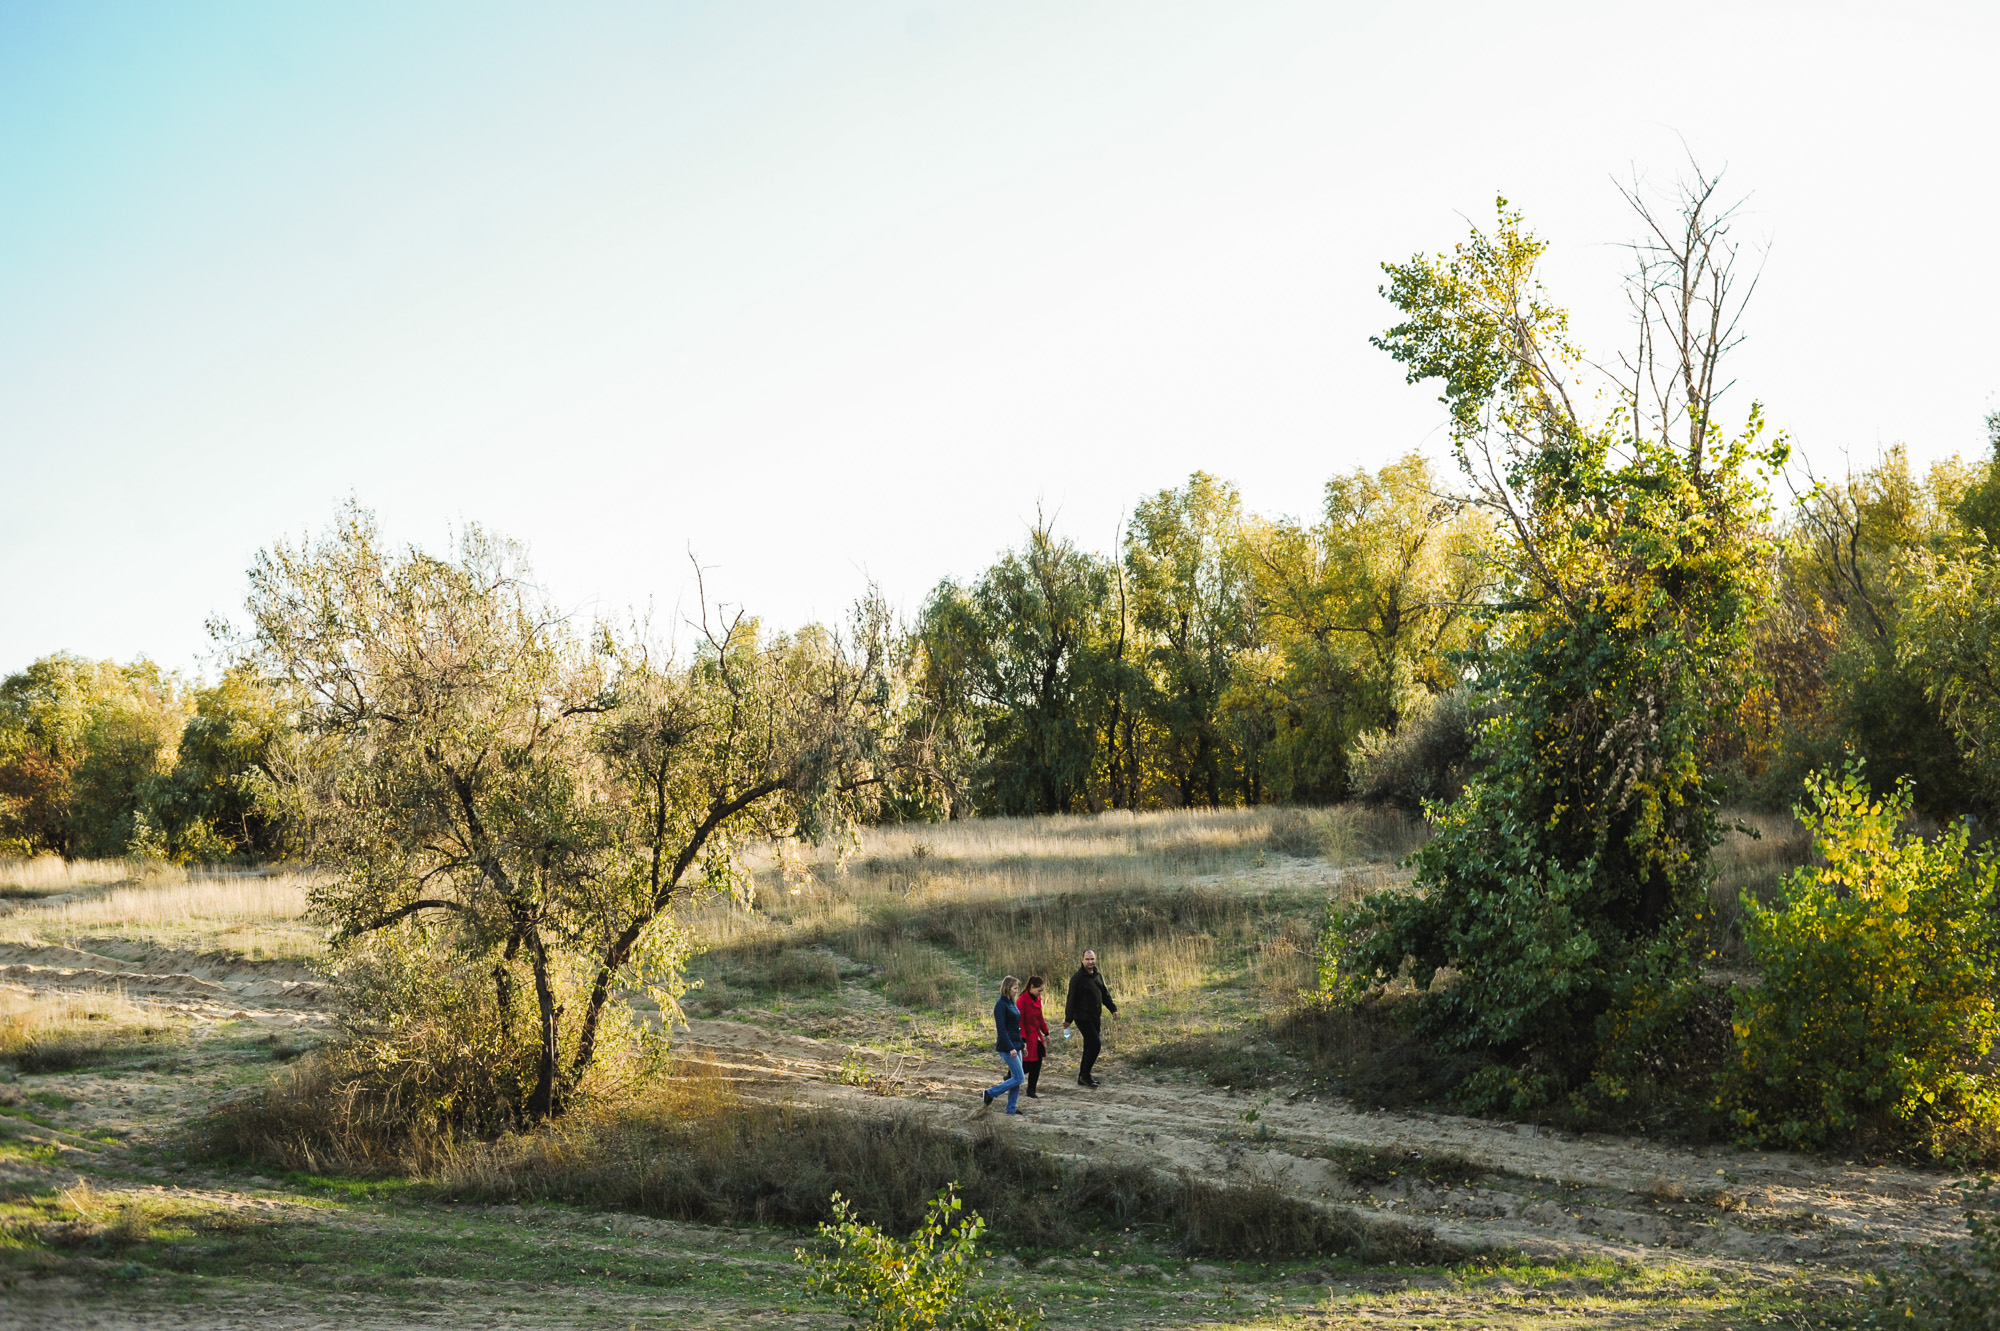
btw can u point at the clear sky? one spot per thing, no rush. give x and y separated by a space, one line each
826 292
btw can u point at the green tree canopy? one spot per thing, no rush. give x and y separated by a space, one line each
1555 892
529 804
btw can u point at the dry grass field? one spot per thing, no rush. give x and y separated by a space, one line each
838 1039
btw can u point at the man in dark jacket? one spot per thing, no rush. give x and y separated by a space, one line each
1084 1008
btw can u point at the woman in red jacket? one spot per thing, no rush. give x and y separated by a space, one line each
1034 1032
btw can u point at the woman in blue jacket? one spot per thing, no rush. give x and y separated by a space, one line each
1008 1044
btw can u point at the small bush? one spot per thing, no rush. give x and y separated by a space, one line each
1296 832
916 976
1876 1010
797 970
1345 833
922 1283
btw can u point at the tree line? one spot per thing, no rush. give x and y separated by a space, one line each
1217 658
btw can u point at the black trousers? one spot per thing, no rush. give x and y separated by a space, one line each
1091 1045
1034 1070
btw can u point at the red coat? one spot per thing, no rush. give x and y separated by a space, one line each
1034 1027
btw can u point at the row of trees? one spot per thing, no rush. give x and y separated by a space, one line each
1225 658
98 759
1220 658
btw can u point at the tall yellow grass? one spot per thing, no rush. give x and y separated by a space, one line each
1187 908
251 913
47 875
48 1031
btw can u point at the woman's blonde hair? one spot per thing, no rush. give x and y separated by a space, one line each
1009 987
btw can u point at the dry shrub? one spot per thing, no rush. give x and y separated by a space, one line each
1428 760
1753 859
1346 833
914 975
57 1032
799 970
103 1219
406 1095
1285 964
355 1107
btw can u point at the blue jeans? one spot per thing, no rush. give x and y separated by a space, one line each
1011 1061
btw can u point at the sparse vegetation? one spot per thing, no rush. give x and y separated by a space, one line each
252 914
1948 1287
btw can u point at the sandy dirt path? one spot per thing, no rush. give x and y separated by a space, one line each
1545 1194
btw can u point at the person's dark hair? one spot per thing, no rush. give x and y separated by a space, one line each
1034 982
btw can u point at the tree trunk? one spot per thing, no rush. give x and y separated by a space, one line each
543 1103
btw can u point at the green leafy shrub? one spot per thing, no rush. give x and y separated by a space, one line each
1876 1010
922 1283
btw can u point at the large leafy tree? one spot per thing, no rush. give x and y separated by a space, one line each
1191 598
1367 613
1021 653
1557 891
80 743
488 788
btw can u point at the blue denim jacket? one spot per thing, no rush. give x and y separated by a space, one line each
1007 1020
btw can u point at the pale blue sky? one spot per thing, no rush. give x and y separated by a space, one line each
827 292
